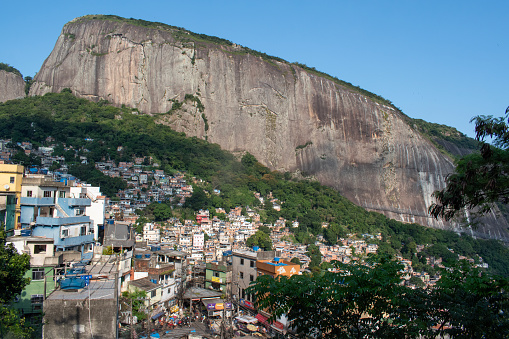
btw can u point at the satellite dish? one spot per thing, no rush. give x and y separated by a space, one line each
6 187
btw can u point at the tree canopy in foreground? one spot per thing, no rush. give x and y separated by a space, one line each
12 281
480 179
365 299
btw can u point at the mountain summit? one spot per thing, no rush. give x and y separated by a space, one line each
291 117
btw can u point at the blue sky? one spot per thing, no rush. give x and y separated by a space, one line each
441 61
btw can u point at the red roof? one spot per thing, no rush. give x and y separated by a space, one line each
261 318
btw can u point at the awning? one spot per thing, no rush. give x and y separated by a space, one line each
157 316
261 318
247 319
278 326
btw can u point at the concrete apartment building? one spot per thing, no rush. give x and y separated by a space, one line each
244 270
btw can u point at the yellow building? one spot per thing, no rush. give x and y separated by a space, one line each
10 195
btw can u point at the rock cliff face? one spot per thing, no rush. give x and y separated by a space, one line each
12 86
290 118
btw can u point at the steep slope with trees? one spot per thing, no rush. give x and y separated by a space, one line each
97 130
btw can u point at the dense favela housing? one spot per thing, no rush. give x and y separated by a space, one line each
98 269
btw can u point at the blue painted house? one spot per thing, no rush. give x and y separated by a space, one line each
48 209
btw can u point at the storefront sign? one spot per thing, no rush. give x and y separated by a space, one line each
219 306
247 303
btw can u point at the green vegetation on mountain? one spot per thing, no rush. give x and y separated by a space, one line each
441 135
102 132
7 68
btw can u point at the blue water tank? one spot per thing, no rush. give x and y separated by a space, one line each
147 255
138 256
256 248
276 259
26 232
111 221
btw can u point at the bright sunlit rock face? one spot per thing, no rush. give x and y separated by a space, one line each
12 86
289 118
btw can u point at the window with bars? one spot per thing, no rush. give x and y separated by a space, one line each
37 273
36 298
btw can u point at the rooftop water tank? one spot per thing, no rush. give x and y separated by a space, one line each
26 232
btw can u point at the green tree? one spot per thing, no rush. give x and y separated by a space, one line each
479 179
361 300
470 303
315 255
264 229
12 270
296 260
198 199
260 239
137 298
162 212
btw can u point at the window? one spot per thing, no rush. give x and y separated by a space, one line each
39 249
65 233
37 298
241 275
153 294
12 180
37 273
47 194
61 194
83 230
215 274
251 277
251 263
242 261
29 194
79 211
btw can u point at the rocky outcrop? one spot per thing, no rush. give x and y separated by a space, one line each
12 86
290 118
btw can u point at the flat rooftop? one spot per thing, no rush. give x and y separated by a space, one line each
98 289
102 284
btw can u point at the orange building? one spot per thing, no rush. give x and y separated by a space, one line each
277 267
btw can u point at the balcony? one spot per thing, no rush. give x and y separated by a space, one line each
29 201
74 241
74 202
48 221
219 280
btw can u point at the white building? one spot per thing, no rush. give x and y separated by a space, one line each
151 233
97 207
